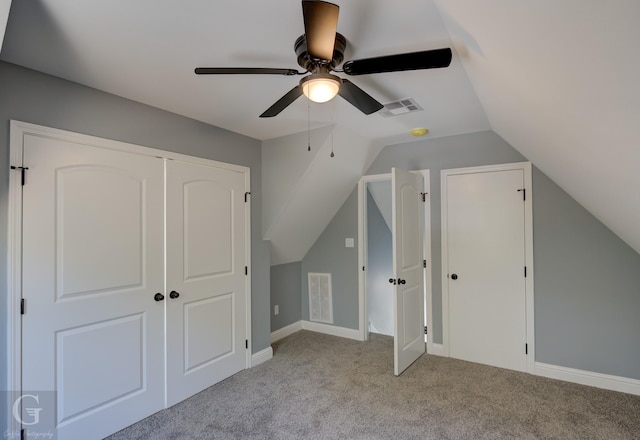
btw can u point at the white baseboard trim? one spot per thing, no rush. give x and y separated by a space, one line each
436 350
598 380
332 330
317 327
261 356
285 331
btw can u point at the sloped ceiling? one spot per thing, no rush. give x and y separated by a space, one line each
5 6
558 80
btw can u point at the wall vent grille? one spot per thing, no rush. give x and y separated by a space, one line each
320 298
400 107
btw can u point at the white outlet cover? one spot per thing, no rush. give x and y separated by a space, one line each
349 242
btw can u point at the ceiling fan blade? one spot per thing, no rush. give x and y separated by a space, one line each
283 102
358 97
244 71
320 26
427 59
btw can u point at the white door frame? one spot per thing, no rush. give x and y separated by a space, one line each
14 233
528 235
362 252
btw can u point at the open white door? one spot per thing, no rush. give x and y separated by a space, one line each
408 291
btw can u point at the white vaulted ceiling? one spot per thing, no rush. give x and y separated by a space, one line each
558 80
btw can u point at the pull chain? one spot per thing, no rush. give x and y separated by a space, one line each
332 126
308 126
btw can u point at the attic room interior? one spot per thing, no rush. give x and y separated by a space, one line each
173 235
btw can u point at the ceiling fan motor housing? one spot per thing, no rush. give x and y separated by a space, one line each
311 64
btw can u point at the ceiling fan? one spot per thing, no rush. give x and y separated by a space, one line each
320 50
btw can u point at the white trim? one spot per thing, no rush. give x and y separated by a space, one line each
598 380
331 330
528 218
99 142
14 271
317 327
436 349
261 357
283 332
247 255
428 273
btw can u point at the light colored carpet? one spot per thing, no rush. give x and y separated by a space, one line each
323 387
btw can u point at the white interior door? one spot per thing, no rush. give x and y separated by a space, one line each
92 263
206 258
408 295
485 229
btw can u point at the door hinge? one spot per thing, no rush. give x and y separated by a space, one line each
524 193
246 195
22 306
424 196
525 271
23 170
424 263
526 348
246 344
246 270
425 329
363 268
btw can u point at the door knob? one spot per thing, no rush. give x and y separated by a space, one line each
173 294
402 281
158 297
454 276
392 280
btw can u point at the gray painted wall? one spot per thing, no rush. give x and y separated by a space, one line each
329 255
286 292
587 281
587 287
30 96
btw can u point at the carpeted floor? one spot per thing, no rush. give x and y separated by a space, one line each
323 387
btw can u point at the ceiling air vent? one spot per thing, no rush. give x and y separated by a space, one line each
399 107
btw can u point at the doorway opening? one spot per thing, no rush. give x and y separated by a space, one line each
375 255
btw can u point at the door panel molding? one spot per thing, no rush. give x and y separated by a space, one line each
18 131
525 167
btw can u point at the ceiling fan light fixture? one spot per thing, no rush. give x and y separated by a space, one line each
320 87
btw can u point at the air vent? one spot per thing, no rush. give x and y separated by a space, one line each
320 298
400 107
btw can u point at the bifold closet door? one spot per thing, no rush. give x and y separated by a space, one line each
92 334
206 257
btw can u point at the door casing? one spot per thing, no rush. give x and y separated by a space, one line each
362 252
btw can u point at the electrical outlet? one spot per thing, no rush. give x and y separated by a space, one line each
276 309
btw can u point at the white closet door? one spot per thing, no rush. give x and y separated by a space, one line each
206 314
92 263
486 258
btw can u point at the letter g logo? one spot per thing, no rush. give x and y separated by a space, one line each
34 413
